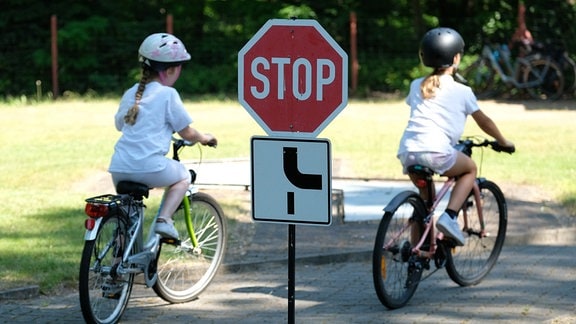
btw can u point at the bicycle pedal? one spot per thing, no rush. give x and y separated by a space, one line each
115 296
111 290
172 241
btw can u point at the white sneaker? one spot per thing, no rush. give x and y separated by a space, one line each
166 229
450 228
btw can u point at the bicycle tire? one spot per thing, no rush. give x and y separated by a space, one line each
569 72
184 271
393 263
469 264
103 294
481 77
552 85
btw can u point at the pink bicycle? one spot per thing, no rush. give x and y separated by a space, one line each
406 241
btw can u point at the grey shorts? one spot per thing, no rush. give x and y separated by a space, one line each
439 162
173 173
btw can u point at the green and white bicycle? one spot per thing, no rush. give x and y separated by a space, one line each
115 251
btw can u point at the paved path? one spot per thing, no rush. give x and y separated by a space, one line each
531 283
534 280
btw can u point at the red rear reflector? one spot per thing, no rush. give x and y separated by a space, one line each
421 183
89 223
96 210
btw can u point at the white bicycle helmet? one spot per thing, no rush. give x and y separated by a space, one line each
161 51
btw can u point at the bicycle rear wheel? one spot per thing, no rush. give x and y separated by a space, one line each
569 72
549 77
395 269
469 264
103 293
184 271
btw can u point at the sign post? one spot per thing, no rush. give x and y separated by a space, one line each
293 80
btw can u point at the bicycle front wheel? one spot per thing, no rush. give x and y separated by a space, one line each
548 77
480 76
104 293
184 271
395 269
469 264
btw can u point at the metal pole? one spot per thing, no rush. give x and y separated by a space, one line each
291 271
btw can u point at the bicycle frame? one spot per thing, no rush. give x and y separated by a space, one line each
429 228
148 251
145 253
487 53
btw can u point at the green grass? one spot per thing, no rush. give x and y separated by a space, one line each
50 152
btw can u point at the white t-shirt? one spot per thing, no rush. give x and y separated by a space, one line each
436 124
143 146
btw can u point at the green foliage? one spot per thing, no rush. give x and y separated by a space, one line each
98 40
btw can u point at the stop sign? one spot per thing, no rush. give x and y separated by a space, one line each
292 77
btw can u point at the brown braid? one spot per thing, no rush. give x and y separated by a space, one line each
132 113
431 83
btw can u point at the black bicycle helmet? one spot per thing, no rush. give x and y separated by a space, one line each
438 47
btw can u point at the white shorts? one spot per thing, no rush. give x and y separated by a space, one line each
173 173
439 162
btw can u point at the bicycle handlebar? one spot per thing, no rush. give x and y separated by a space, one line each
182 142
469 143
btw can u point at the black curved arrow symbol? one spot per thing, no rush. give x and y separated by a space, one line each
298 179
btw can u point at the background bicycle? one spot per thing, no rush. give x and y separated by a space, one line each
557 52
406 242
115 251
496 70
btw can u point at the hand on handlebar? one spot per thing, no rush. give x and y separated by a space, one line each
211 140
507 147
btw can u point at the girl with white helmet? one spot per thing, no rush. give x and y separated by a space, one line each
149 113
439 107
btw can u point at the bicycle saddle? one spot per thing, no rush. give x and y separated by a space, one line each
134 189
421 170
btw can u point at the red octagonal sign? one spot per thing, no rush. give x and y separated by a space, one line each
292 77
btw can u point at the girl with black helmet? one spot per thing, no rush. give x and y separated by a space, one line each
439 107
149 113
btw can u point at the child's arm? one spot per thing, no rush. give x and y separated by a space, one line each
489 127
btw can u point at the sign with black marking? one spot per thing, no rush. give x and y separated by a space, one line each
291 180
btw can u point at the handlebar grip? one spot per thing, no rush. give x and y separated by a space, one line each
500 148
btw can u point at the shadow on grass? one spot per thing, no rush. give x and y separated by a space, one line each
45 251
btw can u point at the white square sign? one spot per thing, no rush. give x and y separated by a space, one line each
291 180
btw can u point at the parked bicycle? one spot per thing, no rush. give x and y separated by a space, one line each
406 242
539 75
559 54
115 250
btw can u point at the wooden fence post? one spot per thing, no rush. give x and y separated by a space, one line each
169 24
354 51
54 42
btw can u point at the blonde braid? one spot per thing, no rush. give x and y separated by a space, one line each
132 113
431 83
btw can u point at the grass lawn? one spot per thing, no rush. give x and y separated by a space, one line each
50 150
